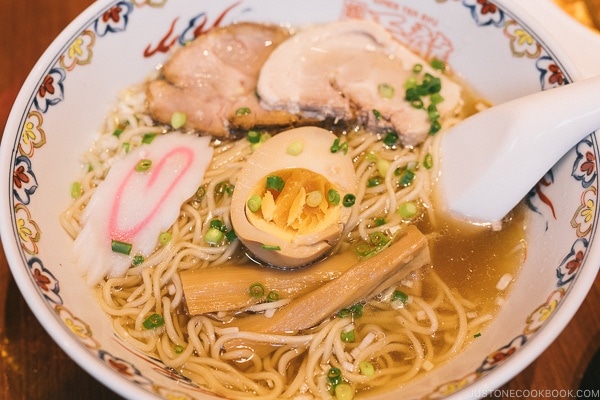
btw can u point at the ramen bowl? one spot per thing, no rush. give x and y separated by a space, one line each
501 52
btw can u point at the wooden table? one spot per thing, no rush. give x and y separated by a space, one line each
32 366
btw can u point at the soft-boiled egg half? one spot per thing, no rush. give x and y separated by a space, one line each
294 197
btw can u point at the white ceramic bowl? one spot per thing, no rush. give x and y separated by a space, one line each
501 52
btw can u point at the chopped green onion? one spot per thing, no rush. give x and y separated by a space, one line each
364 250
178 119
417 103
343 391
214 236
417 68
200 193
382 166
379 221
337 146
263 138
242 111
385 90
399 295
126 146
428 161
366 368
407 177
390 139
436 98
273 247
148 138
348 337
349 200
117 132
76 190
178 349
295 148
272 296
376 181
253 136
412 94
164 238
432 112
435 127
377 238
333 197
408 210
137 260
355 311
143 165
153 321
477 335
254 203
275 182
411 83
334 376
314 198
438 64
377 114
216 223
230 236
223 188
121 247
256 290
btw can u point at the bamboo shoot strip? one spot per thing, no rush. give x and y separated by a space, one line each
363 280
225 288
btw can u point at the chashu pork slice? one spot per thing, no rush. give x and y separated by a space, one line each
215 76
333 71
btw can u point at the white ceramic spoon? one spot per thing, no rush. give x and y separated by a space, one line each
491 160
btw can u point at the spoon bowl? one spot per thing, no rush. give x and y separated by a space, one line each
492 159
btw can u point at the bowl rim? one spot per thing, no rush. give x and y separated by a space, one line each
94 367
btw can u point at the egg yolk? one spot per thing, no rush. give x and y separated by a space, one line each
294 201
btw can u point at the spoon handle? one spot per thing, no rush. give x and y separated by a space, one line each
493 158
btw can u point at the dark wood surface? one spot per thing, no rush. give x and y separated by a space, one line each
32 366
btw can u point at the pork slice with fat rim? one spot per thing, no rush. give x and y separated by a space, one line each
333 71
214 77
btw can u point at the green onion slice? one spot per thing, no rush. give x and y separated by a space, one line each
178 119
428 161
143 165
408 210
314 198
275 182
366 368
76 190
256 290
214 236
273 247
399 295
242 111
164 238
153 321
333 197
253 136
295 148
385 90
272 296
334 376
121 247
137 260
148 138
349 200
348 337
254 203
